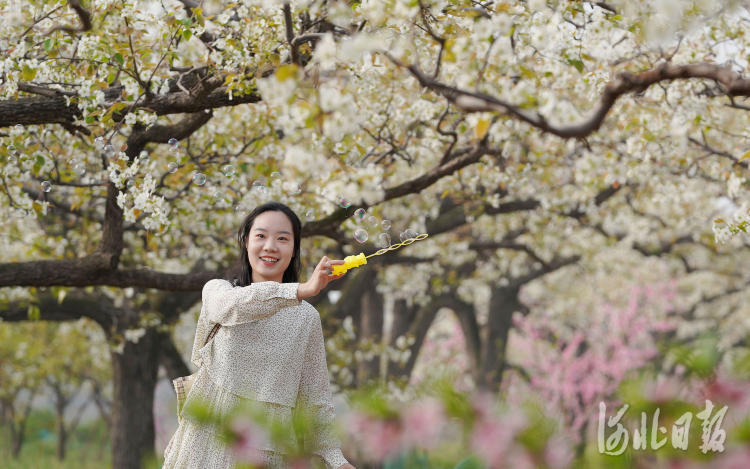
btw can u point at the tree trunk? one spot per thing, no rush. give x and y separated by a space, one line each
371 330
134 373
503 303
62 435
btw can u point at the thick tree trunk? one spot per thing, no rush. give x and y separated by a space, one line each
503 303
134 372
371 330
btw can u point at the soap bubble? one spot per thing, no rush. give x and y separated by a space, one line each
228 170
403 236
172 167
344 203
360 214
384 240
73 162
11 149
46 186
240 209
80 169
385 224
130 184
411 234
310 215
275 175
373 220
218 196
173 142
143 157
199 178
297 189
99 143
257 184
360 235
12 160
19 128
174 151
110 151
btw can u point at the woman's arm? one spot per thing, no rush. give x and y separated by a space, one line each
315 397
230 306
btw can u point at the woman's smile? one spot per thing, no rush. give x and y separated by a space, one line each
269 260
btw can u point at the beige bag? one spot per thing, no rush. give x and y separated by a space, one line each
183 384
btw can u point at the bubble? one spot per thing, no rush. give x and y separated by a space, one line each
172 167
218 196
12 160
266 190
385 224
130 184
19 128
110 151
384 240
99 143
173 142
174 151
344 202
143 157
373 220
46 186
403 236
257 184
360 214
275 175
73 162
360 235
228 170
199 178
80 169
11 149
297 189
310 215
240 209
411 234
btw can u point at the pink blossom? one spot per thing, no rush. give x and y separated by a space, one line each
250 438
493 439
379 439
422 423
558 453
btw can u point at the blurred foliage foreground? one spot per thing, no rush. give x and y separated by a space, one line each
695 419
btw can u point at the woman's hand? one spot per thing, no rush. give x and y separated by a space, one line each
319 279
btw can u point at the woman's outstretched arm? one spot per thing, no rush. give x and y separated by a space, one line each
230 306
316 400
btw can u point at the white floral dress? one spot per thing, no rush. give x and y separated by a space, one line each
269 354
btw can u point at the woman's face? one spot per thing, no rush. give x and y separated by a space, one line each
271 237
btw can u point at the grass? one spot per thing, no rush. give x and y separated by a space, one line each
88 447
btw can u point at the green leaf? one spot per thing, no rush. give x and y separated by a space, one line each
110 78
40 160
187 34
28 73
34 313
89 120
119 58
49 44
577 64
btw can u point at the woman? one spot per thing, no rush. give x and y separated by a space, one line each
267 354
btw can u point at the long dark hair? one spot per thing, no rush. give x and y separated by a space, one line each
241 274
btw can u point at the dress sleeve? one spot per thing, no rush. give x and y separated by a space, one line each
230 306
315 396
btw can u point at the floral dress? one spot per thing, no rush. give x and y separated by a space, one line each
269 355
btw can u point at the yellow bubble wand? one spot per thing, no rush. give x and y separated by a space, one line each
351 262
